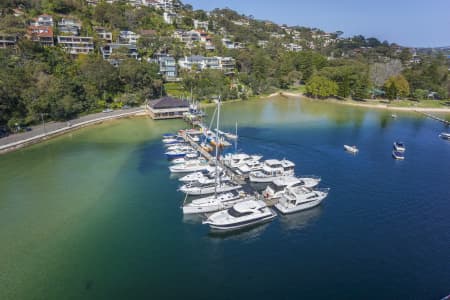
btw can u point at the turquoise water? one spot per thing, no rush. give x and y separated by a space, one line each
95 215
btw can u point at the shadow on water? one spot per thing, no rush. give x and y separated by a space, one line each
245 234
193 218
147 153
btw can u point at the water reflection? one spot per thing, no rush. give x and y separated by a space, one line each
245 234
193 218
300 220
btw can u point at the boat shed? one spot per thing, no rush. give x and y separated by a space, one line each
167 108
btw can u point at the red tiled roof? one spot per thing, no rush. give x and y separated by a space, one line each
42 31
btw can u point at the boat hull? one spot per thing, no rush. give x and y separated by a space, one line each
174 169
237 226
210 190
268 179
190 209
290 210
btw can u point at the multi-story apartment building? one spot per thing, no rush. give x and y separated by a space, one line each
225 64
76 44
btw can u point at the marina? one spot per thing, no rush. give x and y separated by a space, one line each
230 200
112 227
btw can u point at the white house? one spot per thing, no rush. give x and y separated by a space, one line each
129 37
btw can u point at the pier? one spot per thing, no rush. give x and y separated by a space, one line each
445 122
237 178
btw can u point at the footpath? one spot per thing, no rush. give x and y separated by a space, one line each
47 130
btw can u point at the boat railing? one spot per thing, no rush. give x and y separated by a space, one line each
311 176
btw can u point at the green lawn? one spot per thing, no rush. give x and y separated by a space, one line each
175 89
421 103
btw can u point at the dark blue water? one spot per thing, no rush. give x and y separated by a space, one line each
382 233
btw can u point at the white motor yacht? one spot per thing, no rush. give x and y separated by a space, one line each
240 215
192 156
239 159
210 171
272 169
277 187
189 166
215 202
210 188
295 199
250 166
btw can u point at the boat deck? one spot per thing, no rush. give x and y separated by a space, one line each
235 177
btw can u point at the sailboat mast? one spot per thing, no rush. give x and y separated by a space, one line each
217 146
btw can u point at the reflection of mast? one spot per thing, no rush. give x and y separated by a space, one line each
235 143
217 147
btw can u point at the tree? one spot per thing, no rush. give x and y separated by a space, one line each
321 87
420 94
396 87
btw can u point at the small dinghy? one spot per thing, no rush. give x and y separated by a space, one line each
351 149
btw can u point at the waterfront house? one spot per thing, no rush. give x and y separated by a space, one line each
41 34
43 20
103 34
76 44
168 67
8 40
167 108
129 49
169 17
128 37
201 24
69 26
225 64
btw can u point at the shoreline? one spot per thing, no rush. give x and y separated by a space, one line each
366 105
13 146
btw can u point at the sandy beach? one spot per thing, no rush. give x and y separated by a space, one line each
368 105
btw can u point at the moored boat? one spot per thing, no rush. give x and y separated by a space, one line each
189 166
240 215
176 153
196 189
445 135
398 155
215 202
351 149
276 188
272 169
295 199
399 146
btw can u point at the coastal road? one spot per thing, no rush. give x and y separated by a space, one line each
50 127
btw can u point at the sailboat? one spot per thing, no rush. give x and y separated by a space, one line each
224 195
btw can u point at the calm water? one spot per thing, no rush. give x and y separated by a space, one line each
94 214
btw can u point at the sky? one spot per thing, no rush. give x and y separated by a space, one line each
412 23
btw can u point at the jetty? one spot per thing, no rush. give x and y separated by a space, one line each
237 178
445 122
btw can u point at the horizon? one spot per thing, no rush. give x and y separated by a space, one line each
417 25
